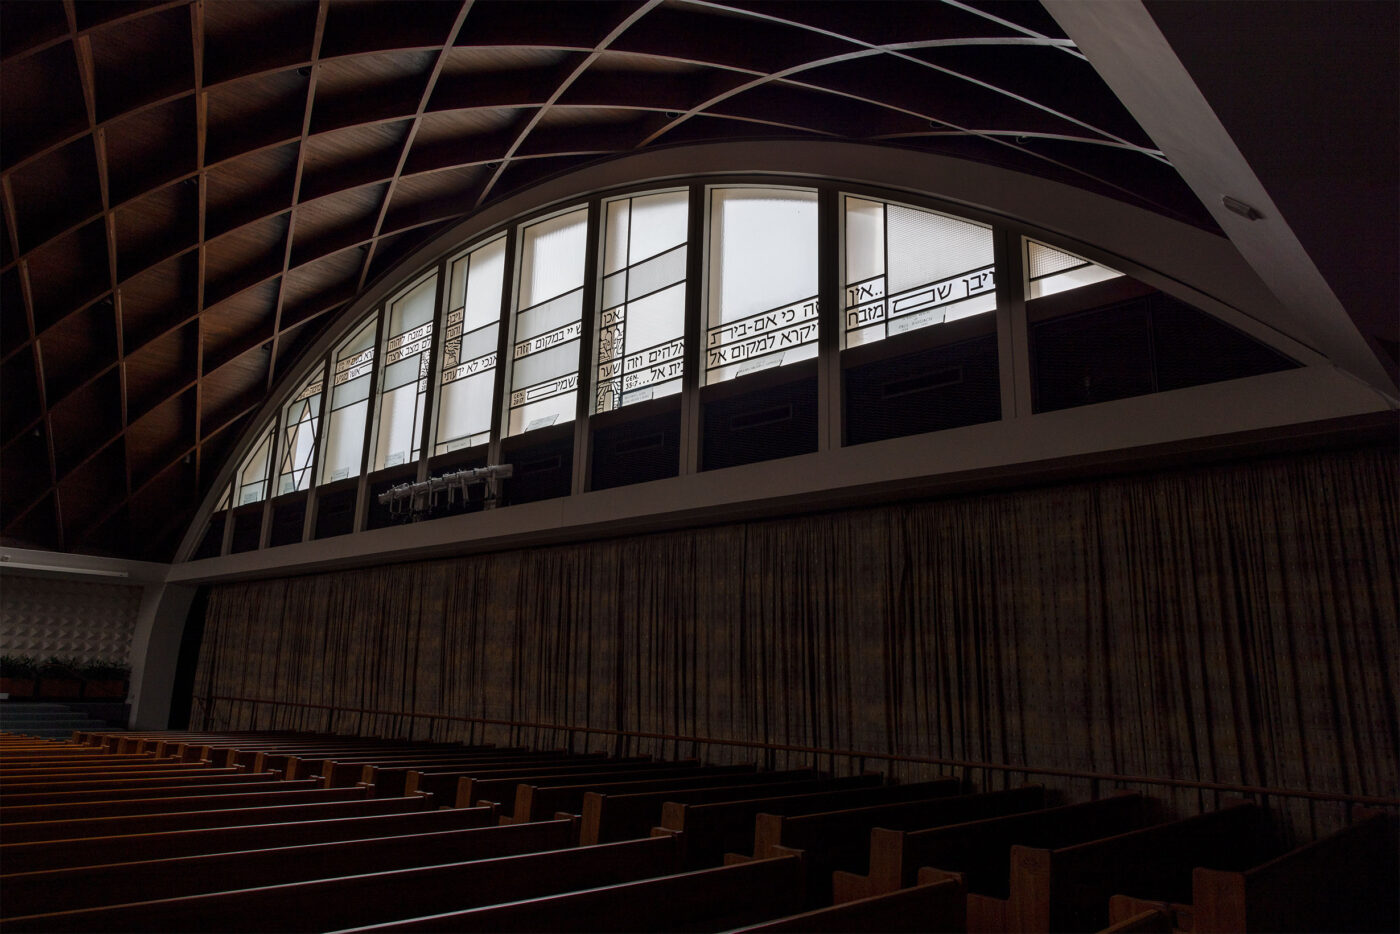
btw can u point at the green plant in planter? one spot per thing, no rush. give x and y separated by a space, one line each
58 677
17 673
18 666
105 678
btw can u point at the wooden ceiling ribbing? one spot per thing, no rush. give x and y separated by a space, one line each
192 190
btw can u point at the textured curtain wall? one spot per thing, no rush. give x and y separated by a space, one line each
1234 624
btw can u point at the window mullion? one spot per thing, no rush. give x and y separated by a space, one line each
829 320
698 245
428 429
1013 352
371 419
308 527
592 265
504 335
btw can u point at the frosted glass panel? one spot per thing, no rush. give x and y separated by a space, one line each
658 224
908 268
552 257
345 431
403 384
300 422
763 279
548 322
469 349
251 482
1049 270
485 276
865 239
639 352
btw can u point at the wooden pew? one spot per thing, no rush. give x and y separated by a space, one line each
1343 882
378 897
80 782
241 783
1068 888
711 828
393 778
978 852
450 788
405 816
930 906
713 899
347 769
539 801
93 886
220 817
151 770
295 792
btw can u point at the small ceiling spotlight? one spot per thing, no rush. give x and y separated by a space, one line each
1247 211
304 71
672 114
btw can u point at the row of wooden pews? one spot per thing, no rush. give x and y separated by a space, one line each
411 836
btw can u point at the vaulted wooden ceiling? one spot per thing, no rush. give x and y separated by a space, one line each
192 190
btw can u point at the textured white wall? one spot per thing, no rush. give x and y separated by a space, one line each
45 616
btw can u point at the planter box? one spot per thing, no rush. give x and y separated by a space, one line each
93 689
17 687
60 687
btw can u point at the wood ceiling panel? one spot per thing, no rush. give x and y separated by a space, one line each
896 21
24 474
158 298
142 60
14 323
541 23
293 341
336 221
238 323
362 88
85 421
256 35
158 510
155 226
77 348
249 187
160 437
42 102
68 272
243 257
319 284
91 490
434 195
457 137
354 26
727 39
56 193
28 25
394 247
161 368
19 382
234 387
38 527
351 157
255 112
150 148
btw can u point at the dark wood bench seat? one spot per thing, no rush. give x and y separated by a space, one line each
77 771
83 781
377 897
404 816
1068 888
303 791
1343 882
536 801
714 899
119 883
347 769
218 817
927 907
393 778
712 828
231 784
448 785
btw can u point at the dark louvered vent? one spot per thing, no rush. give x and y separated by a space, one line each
335 511
543 470
247 528
776 421
212 544
637 451
931 390
288 519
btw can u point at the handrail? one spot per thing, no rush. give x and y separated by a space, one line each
1096 777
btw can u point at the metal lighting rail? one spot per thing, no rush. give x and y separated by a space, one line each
1095 777
419 499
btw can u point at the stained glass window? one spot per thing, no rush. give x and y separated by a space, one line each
908 269
640 350
762 280
404 382
345 434
1050 270
548 322
469 353
300 421
251 482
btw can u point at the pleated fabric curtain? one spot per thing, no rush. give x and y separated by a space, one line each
1233 623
